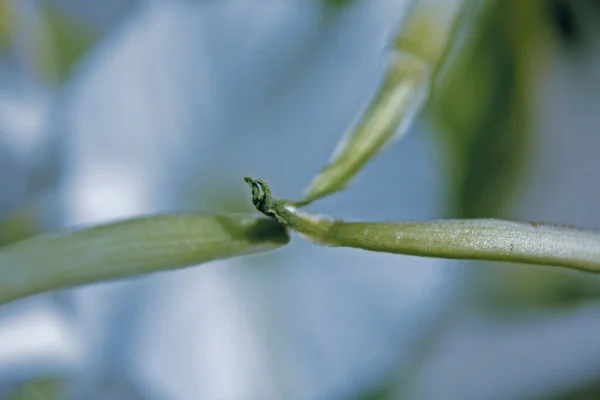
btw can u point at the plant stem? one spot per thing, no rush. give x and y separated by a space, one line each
469 239
417 52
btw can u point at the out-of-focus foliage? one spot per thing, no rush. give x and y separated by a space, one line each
57 44
515 287
589 391
17 226
482 109
39 389
69 39
483 106
5 25
338 3
571 21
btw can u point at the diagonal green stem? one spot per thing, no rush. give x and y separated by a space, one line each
469 239
417 54
130 248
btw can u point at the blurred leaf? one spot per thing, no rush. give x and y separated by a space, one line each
589 390
482 105
574 24
68 40
512 288
132 247
481 108
40 389
6 21
338 3
565 23
56 46
18 225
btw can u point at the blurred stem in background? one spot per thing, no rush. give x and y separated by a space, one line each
69 39
46 37
40 389
482 107
44 41
6 25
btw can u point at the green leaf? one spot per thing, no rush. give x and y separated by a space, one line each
132 247
398 100
418 49
482 107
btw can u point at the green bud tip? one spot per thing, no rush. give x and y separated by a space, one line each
262 198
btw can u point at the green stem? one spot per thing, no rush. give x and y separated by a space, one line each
470 239
129 248
417 53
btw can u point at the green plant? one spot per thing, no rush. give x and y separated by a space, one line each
163 242
474 239
131 247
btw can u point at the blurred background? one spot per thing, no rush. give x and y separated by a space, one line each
118 108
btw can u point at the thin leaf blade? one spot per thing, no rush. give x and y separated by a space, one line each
399 99
129 248
419 48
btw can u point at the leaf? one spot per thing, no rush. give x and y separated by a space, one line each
132 247
397 102
481 107
418 48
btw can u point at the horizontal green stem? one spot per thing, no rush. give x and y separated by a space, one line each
475 239
129 248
